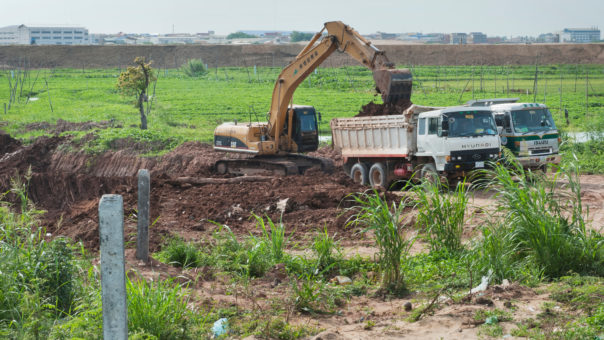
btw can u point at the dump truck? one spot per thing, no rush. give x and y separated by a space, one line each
429 141
526 129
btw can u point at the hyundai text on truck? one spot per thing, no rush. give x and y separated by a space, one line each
448 142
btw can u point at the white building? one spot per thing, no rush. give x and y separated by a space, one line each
580 35
43 35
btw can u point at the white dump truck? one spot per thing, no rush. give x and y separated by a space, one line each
449 142
527 129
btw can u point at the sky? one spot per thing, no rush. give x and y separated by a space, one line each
501 18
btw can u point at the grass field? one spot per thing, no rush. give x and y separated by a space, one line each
187 108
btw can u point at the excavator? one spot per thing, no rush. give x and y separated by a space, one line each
276 146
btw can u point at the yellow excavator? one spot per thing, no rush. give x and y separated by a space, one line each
277 145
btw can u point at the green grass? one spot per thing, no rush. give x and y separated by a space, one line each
189 108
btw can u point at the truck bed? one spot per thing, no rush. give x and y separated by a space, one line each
377 136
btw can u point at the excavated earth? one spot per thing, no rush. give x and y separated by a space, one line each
378 109
187 198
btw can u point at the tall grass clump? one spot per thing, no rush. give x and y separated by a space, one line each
384 220
546 220
181 254
442 214
160 309
194 68
326 250
273 235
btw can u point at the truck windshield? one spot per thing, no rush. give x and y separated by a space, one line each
533 120
470 123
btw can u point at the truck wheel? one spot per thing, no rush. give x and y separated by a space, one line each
358 173
429 173
377 176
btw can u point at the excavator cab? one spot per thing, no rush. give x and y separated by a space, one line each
304 128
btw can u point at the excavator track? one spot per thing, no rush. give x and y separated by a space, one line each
286 165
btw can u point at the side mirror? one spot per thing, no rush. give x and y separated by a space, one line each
319 114
506 122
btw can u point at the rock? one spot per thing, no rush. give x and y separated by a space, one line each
341 280
408 306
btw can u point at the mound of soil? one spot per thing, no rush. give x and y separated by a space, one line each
375 109
8 144
69 185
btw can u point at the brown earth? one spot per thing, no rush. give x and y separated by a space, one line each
375 109
280 55
69 185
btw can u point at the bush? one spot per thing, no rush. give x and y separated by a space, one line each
194 68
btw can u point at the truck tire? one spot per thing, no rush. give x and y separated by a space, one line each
377 176
358 173
429 173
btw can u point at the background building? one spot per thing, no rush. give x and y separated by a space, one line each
459 38
580 35
44 35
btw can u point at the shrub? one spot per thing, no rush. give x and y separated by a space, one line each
194 68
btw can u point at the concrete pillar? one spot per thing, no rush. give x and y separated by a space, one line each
142 235
113 275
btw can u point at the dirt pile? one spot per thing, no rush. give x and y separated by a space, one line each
375 109
63 125
8 144
69 185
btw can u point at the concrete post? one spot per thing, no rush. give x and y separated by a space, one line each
113 275
142 236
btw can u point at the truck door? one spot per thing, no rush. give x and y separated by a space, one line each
431 143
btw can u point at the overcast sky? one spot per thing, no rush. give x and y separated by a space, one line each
506 17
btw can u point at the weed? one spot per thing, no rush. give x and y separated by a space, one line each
181 254
273 235
442 214
194 68
545 224
326 250
159 309
373 212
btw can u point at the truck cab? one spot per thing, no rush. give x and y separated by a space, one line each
458 139
529 131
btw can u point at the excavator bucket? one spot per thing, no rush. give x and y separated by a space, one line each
393 84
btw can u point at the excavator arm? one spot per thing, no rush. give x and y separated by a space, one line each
392 84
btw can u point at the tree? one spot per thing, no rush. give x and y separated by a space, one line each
239 35
135 82
300 36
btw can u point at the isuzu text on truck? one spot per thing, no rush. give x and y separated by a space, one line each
447 142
